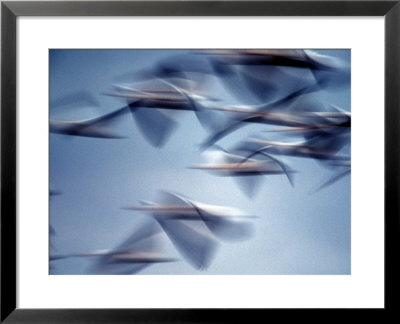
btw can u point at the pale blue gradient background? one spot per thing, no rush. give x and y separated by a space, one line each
297 232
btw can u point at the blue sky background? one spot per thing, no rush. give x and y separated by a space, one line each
296 232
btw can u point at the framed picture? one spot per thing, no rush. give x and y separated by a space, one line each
199 155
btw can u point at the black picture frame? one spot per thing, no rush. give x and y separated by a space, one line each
10 10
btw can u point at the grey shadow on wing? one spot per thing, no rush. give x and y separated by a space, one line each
155 125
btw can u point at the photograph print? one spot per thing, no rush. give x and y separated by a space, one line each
199 161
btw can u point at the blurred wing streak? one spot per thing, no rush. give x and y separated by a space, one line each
332 180
196 247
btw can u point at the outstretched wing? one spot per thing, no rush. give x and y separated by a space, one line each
141 240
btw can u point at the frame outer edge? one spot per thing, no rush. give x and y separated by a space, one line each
392 154
203 8
8 162
9 11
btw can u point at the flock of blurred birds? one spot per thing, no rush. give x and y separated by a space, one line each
272 87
